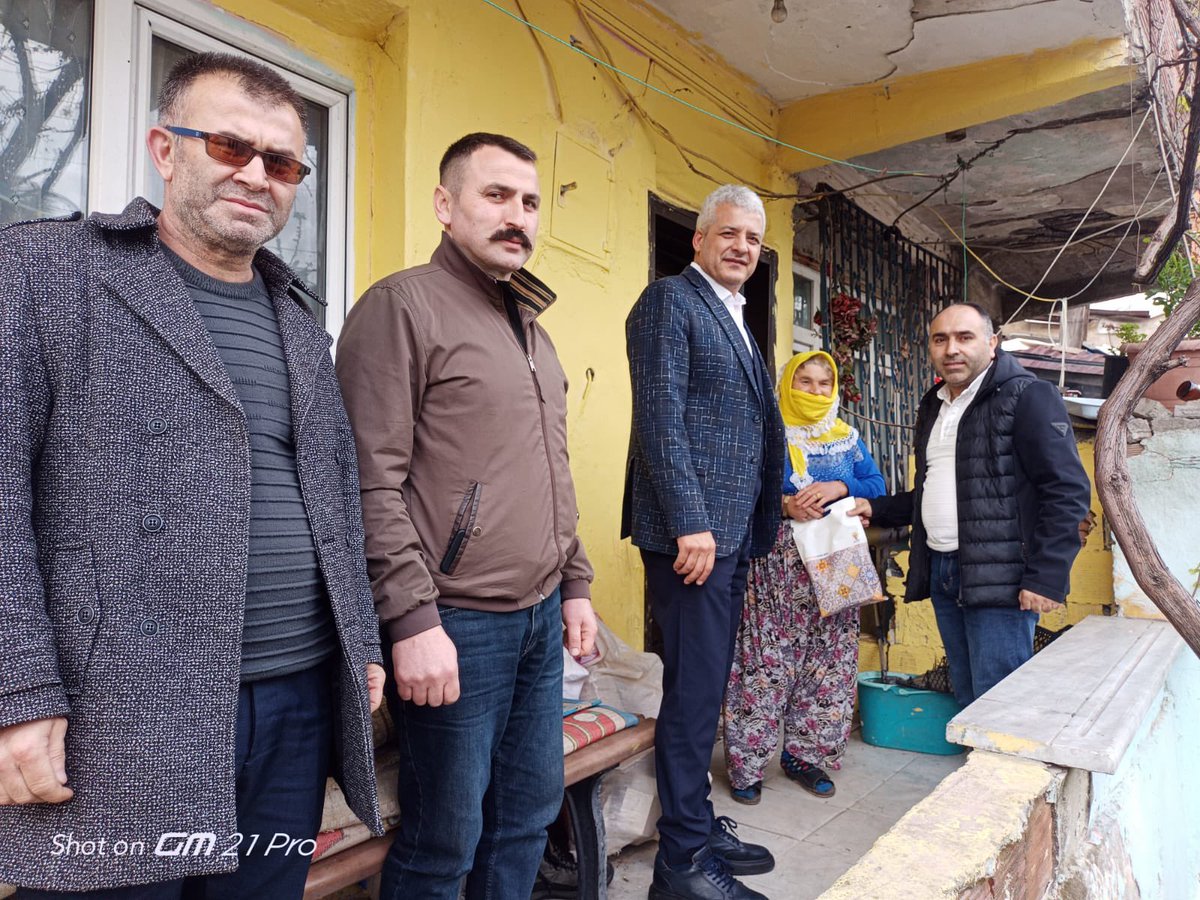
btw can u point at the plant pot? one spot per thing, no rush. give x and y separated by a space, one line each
1164 389
905 718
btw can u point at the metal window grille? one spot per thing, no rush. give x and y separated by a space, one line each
902 285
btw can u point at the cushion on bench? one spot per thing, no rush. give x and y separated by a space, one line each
592 724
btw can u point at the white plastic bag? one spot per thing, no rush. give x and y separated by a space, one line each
835 553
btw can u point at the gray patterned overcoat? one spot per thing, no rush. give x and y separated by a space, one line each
124 514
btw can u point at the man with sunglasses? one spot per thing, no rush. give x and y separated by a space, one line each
190 644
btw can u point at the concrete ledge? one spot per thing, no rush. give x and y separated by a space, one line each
954 838
1080 702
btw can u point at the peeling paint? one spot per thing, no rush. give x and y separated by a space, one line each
953 838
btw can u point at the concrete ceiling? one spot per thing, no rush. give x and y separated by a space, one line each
1031 178
828 45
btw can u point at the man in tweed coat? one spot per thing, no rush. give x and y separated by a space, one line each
189 642
701 497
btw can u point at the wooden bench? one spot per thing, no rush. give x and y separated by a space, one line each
583 772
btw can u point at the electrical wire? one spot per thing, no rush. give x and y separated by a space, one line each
762 135
1029 295
1090 236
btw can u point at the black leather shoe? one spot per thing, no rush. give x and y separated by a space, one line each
739 858
705 879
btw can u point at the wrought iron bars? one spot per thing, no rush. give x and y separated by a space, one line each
901 285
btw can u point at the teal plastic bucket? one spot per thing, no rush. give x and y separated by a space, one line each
905 718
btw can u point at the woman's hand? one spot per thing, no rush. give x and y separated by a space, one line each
794 508
817 495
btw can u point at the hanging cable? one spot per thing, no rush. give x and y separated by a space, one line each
1030 294
751 131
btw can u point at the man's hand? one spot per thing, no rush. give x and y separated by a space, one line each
579 618
426 667
375 679
697 553
862 509
1086 526
33 763
1037 603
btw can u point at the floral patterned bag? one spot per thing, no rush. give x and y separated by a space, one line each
835 552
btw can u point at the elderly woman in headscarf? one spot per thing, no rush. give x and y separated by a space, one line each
793 668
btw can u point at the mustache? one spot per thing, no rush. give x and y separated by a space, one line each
513 234
263 200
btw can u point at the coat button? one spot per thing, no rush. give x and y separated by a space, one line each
149 627
86 615
152 523
156 425
476 531
757 420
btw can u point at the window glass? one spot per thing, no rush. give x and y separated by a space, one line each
45 65
802 300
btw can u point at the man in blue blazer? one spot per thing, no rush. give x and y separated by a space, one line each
701 498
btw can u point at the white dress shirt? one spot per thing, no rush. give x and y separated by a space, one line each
733 302
939 502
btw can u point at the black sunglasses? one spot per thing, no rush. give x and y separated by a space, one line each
238 153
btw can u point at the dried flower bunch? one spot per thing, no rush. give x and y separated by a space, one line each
850 331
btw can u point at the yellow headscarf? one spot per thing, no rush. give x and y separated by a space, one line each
810 418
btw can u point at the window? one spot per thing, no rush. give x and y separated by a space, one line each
45 65
805 288
78 85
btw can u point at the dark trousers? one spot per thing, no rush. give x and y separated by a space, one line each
699 626
984 644
284 741
482 778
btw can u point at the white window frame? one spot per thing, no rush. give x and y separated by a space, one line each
805 338
117 165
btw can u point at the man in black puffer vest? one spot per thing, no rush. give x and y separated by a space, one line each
998 498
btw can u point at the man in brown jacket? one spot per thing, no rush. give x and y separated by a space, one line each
458 404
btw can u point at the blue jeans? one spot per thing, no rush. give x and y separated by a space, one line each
481 779
984 644
284 741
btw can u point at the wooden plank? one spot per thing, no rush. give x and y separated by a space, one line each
608 752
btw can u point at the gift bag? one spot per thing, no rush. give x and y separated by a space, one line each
835 552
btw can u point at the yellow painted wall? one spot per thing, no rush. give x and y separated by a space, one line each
428 72
917 644
862 120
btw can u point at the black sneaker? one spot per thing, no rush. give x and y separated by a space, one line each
706 878
739 858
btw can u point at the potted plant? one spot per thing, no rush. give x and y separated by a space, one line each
1173 282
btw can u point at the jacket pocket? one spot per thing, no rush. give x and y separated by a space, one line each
73 604
463 528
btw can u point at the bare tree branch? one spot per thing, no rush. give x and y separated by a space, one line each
1112 472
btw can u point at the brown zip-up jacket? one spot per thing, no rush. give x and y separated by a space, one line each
462 445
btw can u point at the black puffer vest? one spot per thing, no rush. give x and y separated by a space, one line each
991 549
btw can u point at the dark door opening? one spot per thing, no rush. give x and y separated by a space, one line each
671 230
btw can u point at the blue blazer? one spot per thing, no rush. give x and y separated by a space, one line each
706 446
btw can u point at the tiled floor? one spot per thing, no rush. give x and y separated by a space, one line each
814 840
